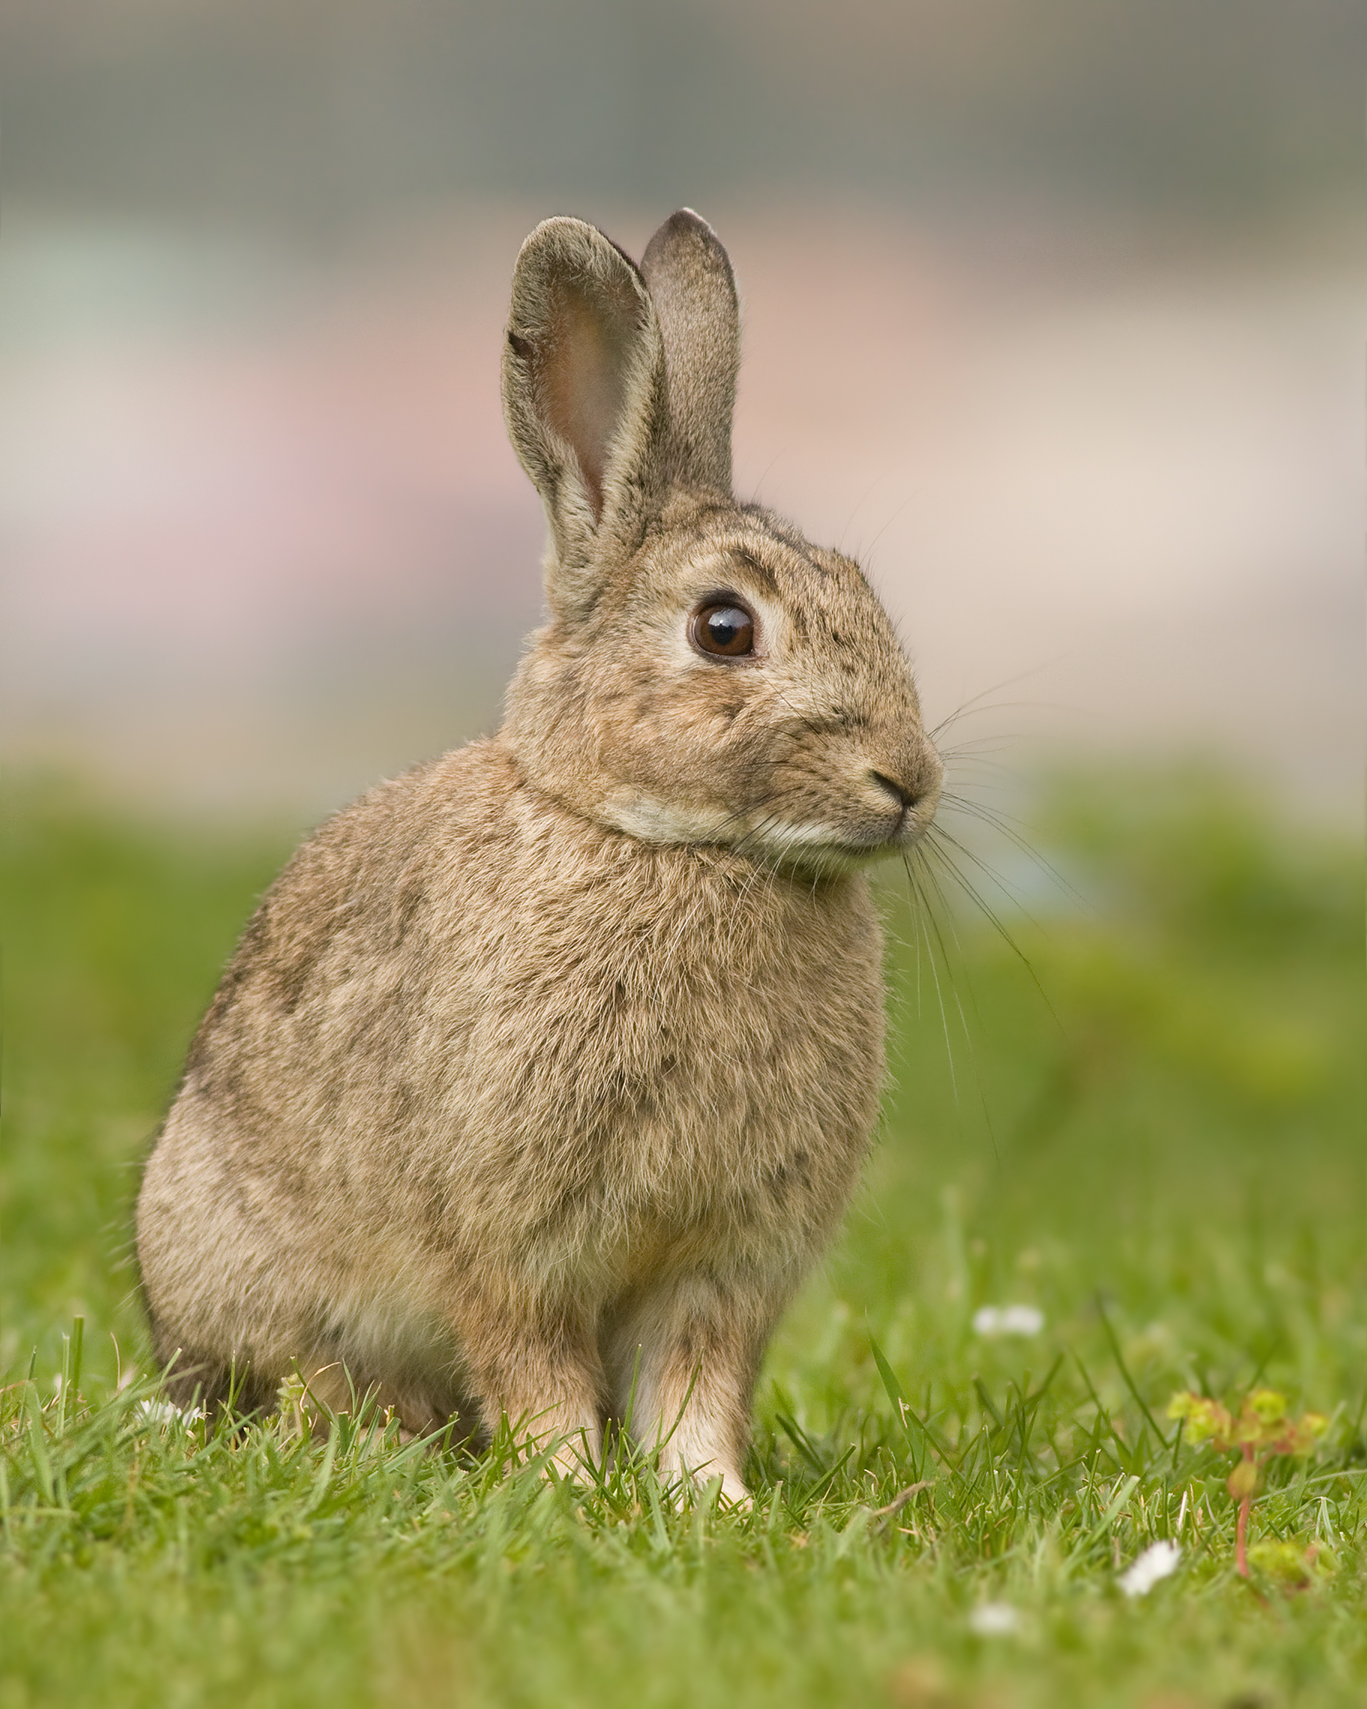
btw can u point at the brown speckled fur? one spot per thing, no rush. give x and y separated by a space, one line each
548 1068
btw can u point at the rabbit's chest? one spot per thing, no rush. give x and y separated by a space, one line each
712 1073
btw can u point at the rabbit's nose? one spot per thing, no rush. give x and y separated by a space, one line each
906 797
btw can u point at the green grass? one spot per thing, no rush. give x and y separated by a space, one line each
1163 1152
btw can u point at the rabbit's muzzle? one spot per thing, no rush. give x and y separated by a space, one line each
836 810
902 803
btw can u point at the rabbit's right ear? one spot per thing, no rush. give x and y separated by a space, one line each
584 397
694 292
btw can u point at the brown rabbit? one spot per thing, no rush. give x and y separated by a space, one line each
543 1073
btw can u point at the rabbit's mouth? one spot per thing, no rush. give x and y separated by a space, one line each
829 850
880 814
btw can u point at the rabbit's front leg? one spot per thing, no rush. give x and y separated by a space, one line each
538 1366
684 1359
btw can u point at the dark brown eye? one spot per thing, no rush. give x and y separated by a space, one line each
727 630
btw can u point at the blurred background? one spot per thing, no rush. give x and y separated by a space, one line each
1053 315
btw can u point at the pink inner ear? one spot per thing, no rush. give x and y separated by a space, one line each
582 381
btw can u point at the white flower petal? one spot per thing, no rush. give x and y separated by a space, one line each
1157 1561
992 1320
163 1411
994 1619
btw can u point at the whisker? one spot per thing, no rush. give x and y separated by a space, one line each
1006 682
744 812
991 916
934 848
920 911
1006 826
941 838
933 879
868 494
958 1003
763 863
867 551
768 470
975 751
968 710
742 845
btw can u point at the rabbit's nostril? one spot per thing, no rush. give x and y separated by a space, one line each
905 797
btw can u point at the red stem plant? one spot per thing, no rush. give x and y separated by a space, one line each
1263 1427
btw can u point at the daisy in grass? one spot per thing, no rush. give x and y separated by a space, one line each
1158 1561
994 1320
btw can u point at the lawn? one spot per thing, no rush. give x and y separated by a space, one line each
1144 1119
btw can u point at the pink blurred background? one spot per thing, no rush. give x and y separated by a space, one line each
1085 401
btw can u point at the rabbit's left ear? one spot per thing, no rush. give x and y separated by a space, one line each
584 399
694 292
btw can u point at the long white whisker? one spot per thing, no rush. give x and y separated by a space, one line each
1005 825
976 701
921 912
938 851
958 1003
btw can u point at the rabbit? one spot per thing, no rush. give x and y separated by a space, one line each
544 1072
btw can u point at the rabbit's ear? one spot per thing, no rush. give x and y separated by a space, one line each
694 292
584 394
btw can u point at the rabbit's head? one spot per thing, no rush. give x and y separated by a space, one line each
707 675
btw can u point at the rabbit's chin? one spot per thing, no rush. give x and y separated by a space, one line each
809 847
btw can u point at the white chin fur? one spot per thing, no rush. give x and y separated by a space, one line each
818 848
655 821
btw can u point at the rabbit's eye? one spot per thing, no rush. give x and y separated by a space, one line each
727 630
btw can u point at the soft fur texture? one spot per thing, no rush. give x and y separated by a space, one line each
543 1073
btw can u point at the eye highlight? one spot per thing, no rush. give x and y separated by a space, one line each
725 630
